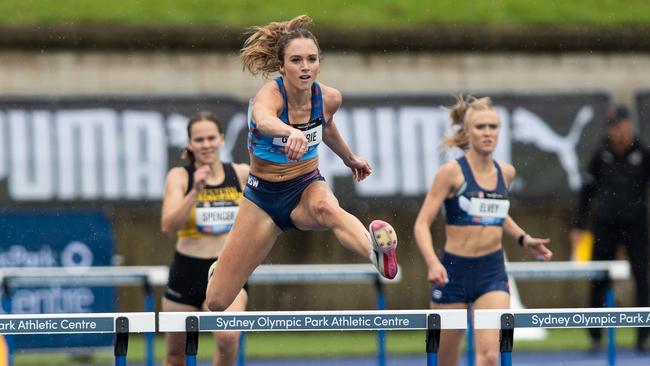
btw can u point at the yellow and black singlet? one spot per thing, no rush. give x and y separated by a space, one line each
216 207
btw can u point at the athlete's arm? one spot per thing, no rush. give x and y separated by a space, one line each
360 167
176 205
536 246
266 105
441 188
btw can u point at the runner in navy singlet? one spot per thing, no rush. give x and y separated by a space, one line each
473 191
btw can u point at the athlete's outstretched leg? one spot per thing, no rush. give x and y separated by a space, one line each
319 209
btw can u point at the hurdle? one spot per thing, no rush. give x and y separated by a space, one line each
119 323
287 321
291 274
564 270
149 276
507 320
145 276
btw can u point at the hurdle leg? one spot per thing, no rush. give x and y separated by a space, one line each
470 337
610 301
506 338
241 353
433 339
6 305
121 340
191 340
149 337
381 334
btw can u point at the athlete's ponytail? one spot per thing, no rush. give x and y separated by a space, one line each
263 51
458 114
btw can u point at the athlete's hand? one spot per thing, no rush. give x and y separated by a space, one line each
200 176
296 145
361 168
437 275
538 247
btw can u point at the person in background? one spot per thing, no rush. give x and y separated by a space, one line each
614 195
199 207
474 192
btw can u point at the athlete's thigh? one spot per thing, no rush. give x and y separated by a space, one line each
238 305
176 340
248 243
488 339
450 339
304 216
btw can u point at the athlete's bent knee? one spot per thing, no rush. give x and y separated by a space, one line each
488 358
325 212
216 304
227 341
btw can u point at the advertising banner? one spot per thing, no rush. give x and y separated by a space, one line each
118 149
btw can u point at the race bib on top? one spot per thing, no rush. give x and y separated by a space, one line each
313 132
215 217
489 207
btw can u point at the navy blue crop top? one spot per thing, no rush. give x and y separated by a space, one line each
473 205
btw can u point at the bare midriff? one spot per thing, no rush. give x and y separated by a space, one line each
473 241
279 172
206 246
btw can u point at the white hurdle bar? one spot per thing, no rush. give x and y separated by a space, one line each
507 320
119 323
146 276
89 276
282 321
615 270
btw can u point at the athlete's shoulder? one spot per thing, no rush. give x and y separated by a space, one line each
268 98
450 169
177 177
508 170
177 172
270 89
332 97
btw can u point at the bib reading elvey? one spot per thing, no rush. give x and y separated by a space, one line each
493 207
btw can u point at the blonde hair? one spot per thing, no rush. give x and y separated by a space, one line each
263 51
458 114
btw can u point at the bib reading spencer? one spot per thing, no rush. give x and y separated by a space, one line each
216 206
473 205
272 148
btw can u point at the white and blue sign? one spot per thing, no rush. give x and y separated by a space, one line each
314 322
57 325
583 320
57 238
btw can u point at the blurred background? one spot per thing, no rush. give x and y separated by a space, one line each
95 96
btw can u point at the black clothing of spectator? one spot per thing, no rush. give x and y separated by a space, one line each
614 193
